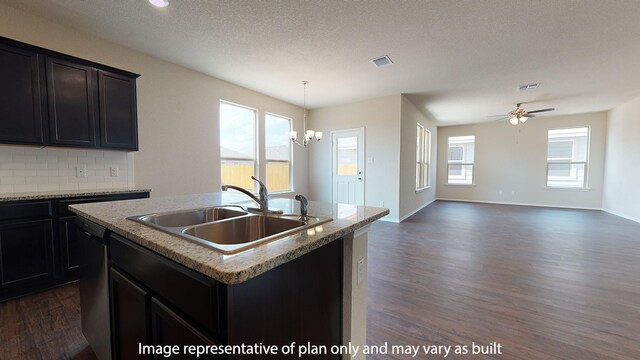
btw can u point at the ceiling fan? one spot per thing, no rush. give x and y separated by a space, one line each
521 115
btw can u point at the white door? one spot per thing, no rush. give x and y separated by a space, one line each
348 166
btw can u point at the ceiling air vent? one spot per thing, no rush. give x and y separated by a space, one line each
529 87
382 61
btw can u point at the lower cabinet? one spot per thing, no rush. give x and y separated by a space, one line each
26 256
129 315
39 243
155 301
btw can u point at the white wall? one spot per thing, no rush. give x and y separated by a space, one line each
381 119
622 171
177 108
510 163
410 200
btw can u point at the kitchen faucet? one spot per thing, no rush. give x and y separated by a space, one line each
303 207
263 193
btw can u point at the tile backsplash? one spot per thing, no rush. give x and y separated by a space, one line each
24 168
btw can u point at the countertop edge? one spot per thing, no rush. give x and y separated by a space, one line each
70 194
234 276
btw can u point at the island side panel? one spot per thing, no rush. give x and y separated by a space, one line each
355 292
300 301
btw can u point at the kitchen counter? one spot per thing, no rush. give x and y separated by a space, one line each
36 195
228 269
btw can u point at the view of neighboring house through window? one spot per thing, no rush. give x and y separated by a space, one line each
277 152
347 156
237 145
460 157
423 157
567 157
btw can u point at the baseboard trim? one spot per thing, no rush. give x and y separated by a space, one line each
416 210
389 219
522 204
621 215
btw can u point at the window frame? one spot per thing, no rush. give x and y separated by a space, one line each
266 160
460 163
256 152
423 157
569 161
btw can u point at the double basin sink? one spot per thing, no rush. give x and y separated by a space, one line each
228 229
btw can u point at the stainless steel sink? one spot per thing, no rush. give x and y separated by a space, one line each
228 230
189 217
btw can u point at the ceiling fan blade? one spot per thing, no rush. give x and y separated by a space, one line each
539 111
530 116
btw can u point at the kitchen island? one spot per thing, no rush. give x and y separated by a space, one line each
303 288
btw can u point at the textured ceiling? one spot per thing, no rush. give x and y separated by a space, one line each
458 60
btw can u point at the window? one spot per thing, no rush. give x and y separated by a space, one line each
277 152
237 145
567 157
423 157
460 156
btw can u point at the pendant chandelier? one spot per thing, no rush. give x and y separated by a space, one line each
308 134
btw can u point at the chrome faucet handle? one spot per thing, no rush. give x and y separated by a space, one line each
263 193
303 207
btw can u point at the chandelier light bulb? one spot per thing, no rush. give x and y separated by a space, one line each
513 121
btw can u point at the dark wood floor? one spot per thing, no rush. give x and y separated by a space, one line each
44 326
544 283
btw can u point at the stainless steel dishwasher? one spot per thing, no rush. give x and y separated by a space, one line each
94 287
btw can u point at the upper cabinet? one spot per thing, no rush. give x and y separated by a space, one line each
71 93
118 117
20 99
47 98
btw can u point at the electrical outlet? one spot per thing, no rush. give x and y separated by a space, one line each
81 171
360 271
114 171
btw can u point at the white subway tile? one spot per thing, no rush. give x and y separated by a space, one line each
6 173
25 187
6 189
95 179
58 180
86 160
24 172
38 180
69 186
48 187
104 173
17 151
13 180
35 166
24 158
5 158
48 172
6 150
77 153
87 186
95 166
120 184
35 151
12 166
67 172
57 152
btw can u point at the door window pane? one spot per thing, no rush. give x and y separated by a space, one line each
347 157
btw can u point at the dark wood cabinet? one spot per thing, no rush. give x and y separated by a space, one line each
26 255
118 115
49 98
39 243
69 262
71 92
298 301
169 328
130 315
21 118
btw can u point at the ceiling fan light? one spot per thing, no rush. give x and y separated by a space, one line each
513 121
523 119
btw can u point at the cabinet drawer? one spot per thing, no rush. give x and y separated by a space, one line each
25 210
194 294
63 205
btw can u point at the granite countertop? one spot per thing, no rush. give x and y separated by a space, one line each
229 269
67 193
